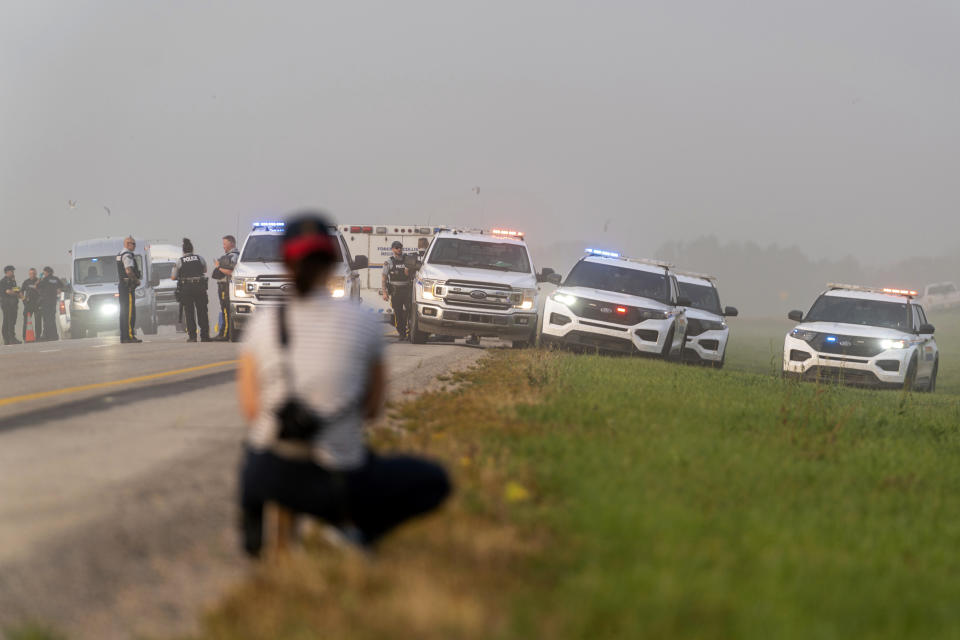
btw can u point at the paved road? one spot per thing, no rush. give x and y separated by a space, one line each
117 479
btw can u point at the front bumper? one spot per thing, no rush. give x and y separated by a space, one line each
887 369
97 321
456 322
242 312
562 327
709 346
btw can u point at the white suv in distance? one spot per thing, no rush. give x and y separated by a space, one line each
611 303
863 336
707 332
261 280
477 283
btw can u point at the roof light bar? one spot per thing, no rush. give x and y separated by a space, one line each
506 232
269 225
854 287
603 253
694 274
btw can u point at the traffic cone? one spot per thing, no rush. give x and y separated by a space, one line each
29 335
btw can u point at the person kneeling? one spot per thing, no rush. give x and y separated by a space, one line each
310 373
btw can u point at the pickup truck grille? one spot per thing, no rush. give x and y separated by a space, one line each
274 288
166 295
480 295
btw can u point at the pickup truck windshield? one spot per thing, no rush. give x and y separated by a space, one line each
702 296
480 255
99 270
269 249
633 282
872 313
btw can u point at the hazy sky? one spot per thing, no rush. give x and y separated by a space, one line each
834 124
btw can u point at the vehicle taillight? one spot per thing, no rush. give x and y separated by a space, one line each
356 229
63 307
368 230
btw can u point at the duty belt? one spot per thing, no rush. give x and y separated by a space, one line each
197 280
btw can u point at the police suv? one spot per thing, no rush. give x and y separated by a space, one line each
612 303
260 278
863 336
707 332
477 283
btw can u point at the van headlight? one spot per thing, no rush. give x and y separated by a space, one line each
337 286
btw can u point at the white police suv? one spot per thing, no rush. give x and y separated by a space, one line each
260 278
611 303
477 283
863 336
707 332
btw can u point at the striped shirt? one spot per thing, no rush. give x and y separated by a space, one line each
332 346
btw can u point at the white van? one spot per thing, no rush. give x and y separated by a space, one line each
164 259
94 303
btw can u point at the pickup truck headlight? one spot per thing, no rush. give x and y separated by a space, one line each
244 287
337 286
525 300
79 298
432 289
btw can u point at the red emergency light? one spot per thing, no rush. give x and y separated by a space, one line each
621 310
900 292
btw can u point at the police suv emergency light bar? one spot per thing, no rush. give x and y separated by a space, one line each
694 274
889 291
600 253
269 225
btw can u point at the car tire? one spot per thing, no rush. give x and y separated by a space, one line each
77 332
416 336
910 379
932 383
667 344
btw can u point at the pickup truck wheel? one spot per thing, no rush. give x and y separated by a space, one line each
416 335
525 344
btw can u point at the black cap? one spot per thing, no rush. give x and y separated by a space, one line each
9 267
396 245
48 269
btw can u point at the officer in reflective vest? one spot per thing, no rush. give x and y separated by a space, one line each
222 273
397 287
129 276
190 272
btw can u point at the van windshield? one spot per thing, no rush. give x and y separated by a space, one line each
499 256
99 270
269 248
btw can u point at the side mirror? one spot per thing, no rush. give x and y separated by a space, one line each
926 329
796 316
683 301
545 274
360 262
554 278
731 312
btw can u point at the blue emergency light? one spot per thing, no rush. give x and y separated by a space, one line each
269 225
601 252
831 338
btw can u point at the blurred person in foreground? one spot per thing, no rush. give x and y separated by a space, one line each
310 373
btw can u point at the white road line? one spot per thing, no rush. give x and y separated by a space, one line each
49 350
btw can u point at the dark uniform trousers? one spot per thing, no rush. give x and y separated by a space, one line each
223 294
9 321
48 320
128 312
400 296
193 297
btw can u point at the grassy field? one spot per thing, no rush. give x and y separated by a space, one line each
629 498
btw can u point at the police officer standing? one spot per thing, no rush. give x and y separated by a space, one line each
49 288
222 273
31 304
9 303
397 287
129 279
190 274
